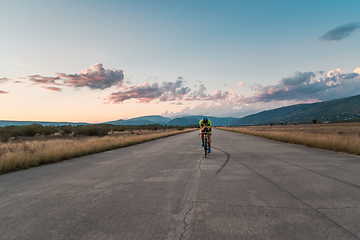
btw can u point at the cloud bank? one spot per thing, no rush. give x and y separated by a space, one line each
298 88
301 87
305 86
339 33
97 77
169 92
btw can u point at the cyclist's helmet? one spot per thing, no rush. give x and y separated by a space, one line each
205 120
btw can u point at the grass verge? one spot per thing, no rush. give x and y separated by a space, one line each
22 155
337 137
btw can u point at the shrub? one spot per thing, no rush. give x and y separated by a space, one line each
67 130
5 137
92 130
30 130
47 130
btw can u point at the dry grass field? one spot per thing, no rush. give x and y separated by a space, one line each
32 152
343 137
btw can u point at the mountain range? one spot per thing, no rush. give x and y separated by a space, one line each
334 110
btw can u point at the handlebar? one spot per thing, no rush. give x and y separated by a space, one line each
205 131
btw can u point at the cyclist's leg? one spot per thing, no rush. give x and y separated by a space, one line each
209 137
202 135
209 141
202 138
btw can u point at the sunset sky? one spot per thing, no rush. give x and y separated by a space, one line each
96 61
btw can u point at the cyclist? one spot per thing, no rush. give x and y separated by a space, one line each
205 123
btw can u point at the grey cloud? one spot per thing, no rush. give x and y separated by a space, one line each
298 78
350 75
144 93
199 94
339 33
3 92
168 91
216 96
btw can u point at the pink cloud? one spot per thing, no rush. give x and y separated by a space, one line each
3 92
3 80
45 80
97 77
15 63
52 88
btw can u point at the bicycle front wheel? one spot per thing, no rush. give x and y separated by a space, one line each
205 146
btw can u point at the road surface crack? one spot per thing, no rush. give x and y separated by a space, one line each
186 219
191 200
256 206
337 208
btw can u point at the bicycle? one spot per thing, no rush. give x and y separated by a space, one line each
205 141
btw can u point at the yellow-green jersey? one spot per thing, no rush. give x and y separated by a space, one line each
201 123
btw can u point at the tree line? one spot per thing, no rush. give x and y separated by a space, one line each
14 131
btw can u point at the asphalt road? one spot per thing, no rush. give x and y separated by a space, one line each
248 188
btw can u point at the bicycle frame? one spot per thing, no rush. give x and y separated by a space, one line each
205 141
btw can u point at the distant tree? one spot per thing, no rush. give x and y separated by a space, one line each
314 121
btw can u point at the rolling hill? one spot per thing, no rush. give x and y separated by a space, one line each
339 109
145 120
